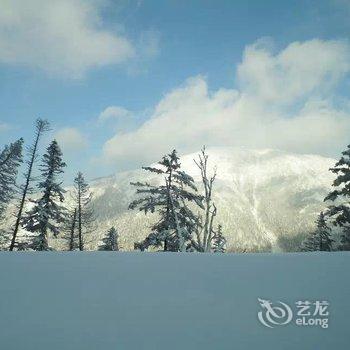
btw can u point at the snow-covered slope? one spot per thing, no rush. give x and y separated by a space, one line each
140 301
266 199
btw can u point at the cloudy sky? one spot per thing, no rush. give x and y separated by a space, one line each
122 82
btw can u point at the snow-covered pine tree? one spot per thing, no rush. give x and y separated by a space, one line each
110 242
47 214
82 198
218 241
340 211
311 243
177 221
319 239
324 233
10 160
40 127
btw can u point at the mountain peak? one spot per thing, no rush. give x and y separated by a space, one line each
267 199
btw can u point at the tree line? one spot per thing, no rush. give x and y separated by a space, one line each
40 208
186 217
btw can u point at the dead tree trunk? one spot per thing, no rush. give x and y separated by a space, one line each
41 126
205 234
72 230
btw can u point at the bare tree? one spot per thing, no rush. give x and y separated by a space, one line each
40 127
72 230
205 231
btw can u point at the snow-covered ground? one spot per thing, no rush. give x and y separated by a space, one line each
144 301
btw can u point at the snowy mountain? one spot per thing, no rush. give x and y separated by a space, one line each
267 200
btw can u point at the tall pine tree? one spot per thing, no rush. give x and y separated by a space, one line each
177 221
84 216
10 160
47 214
110 242
40 127
340 211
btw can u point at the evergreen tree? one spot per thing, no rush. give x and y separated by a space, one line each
324 233
110 242
340 212
177 221
311 243
40 127
82 197
218 241
47 215
319 239
10 160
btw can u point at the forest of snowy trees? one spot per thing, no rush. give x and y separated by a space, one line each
187 217
186 211
40 200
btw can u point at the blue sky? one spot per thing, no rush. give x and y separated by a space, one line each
180 63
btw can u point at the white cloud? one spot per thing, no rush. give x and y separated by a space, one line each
284 100
302 69
71 140
62 37
113 113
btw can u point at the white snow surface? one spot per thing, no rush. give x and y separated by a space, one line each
172 301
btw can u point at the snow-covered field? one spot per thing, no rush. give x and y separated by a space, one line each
143 301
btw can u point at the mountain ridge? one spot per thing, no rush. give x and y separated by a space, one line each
255 191
267 200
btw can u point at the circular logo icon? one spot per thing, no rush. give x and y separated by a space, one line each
277 314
